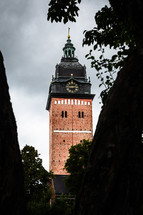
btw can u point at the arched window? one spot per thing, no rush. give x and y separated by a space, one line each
72 53
62 114
79 114
69 53
82 114
66 114
66 53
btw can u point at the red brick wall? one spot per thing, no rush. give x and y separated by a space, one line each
67 131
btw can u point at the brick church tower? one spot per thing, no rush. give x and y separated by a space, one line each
70 108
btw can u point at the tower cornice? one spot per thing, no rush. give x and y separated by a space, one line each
67 95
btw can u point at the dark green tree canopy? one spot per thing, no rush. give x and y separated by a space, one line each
37 179
76 164
64 11
113 33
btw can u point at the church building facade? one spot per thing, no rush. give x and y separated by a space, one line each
70 108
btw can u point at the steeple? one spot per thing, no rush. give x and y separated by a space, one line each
70 78
69 50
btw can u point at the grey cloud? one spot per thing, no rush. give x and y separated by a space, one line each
31 45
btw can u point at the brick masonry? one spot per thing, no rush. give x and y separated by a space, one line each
67 127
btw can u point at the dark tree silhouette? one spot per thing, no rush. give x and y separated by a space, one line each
113 183
11 174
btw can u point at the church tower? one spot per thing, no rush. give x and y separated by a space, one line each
70 108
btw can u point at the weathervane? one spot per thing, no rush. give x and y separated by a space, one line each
68 32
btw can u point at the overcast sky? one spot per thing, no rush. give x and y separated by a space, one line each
32 47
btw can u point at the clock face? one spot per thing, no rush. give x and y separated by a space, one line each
72 87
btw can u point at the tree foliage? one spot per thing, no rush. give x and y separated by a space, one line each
63 10
114 33
76 164
36 181
62 205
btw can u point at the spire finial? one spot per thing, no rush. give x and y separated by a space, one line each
68 32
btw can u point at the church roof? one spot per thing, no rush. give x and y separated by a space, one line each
66 68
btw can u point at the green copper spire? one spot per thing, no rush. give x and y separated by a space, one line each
69 49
